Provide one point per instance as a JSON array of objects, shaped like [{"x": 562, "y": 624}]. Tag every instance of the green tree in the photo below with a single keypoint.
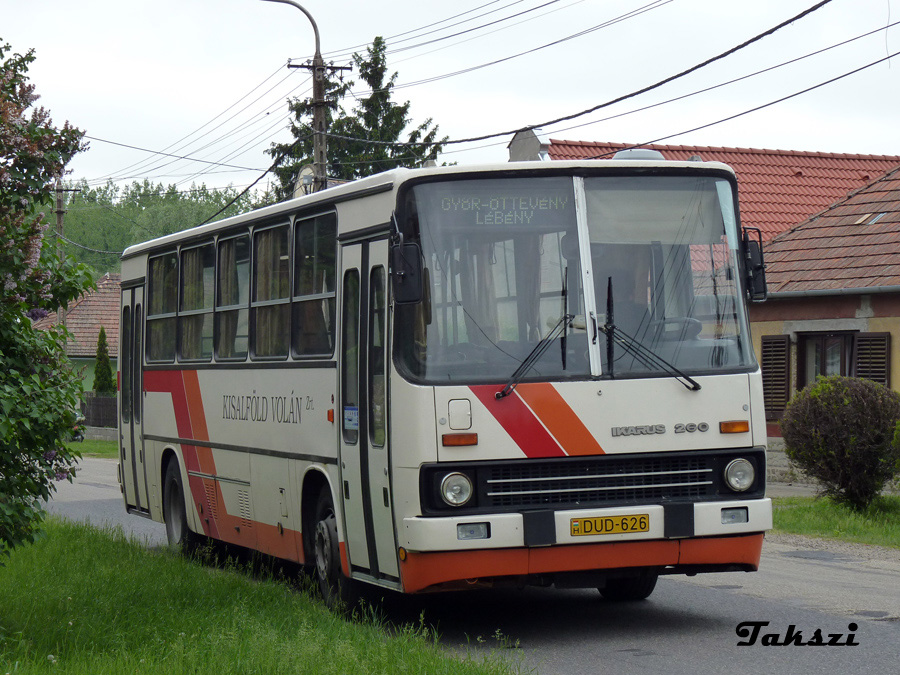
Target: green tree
[
  {"x": 112, "y": 217},
  {"x": 104, "y": 383},
  {"x": 39, "y": 389},
  {"x": 378, "y": 122}
]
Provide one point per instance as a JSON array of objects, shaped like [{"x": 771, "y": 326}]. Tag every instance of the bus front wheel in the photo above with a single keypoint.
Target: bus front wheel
[
  {"x": 333, "y": 585},
  {"x": 174, "y": 512},
  {"x": 630, "y": 588}
]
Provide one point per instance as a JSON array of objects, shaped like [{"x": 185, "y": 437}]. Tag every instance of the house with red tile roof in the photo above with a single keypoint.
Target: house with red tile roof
[
  {"x": 84, "y": 317},
  {"x": 834, "y": 295},
  {"x": 777, "y": 189}
]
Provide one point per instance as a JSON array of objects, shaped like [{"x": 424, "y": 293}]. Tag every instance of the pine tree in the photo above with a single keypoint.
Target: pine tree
[
  {"x": 104, "y": 383},
  {"x": 365, "y": 141}
]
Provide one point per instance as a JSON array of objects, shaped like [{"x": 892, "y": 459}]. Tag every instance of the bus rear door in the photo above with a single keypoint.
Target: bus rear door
[{"x": 131, "y": 437}]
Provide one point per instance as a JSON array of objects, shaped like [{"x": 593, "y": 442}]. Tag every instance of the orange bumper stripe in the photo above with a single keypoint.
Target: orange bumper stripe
[{"x": 422, "y": 570}]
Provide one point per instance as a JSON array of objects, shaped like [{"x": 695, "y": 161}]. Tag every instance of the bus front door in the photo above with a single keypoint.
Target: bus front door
[
  {"x": 131, "y": 437},
  {"x": 364, "y": 445}
]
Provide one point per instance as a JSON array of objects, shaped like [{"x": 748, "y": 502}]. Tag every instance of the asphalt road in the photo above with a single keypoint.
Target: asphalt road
[{"x": 687, "y": 626}]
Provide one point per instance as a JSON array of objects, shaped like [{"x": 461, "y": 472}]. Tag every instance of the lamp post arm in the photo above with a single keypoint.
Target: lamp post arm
[{"x": 308, "y": 16}]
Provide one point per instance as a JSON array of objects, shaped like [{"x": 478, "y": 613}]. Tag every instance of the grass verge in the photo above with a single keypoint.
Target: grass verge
[
  {"x": 86, "y": 601},
  {"x": 93, "y": 448},
  {"x": 821, "y": 517}
]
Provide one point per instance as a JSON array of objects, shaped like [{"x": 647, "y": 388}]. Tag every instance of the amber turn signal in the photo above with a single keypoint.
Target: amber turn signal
[{"x": 734, "y": 427}]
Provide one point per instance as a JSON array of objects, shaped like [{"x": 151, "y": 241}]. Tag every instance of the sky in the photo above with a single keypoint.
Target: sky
[{"x": 208, "y": 79}]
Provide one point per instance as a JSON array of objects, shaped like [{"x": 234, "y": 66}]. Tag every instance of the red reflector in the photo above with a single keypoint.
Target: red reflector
[
  {"x": 452, "y": 440},
  {"x": 734, "y": 427}
]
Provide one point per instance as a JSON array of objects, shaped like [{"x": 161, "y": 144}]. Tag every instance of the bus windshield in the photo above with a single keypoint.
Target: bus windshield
[{"x": 650, "y": 260}]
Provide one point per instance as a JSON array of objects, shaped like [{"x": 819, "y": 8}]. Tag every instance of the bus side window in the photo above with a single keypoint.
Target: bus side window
[
  {"x": 350, "y": 357},
  {"x": 162, "y": 305},
  {"x": 315, "y": 245},
  {"x": 195, "y": 318},
  {"x": 377, "y": 381},
  {"x": 233, "y": 298},
  {"x": 271, "y": 292}
]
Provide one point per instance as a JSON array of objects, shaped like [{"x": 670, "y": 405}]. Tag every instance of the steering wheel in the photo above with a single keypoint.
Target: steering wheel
[{"x": 675, "y": 328}]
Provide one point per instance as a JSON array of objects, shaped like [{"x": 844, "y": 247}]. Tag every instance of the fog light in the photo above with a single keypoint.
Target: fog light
[
  {"x": 735, "y": 516},
  {"x": 456, "y": 489},
  {"x": 739, "y": 475},
  {"x": 466, "y": 531}
]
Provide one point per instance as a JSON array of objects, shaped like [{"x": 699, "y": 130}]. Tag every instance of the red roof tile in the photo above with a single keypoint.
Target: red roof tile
[
  {"x": 855, "y": 244},
  {"x": 778, "y": 188},
  {"x": 85, "y": 316}
]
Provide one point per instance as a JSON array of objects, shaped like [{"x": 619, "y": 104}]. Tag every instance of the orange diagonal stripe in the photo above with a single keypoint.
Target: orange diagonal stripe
[
  {"x": 198, "y": 419},
  {"x": 559, "y": 418}
]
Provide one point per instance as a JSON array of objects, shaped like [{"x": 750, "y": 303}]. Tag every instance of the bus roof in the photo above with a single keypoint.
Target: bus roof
[{"x": 389, "y": 181}]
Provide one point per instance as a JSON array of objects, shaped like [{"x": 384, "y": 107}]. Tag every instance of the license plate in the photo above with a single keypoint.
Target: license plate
[{"x": 583, "y": 527}]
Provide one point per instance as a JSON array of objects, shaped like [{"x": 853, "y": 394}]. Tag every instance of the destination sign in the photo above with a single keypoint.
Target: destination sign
[
  {"x": 505, "y": 209},
  {"x": 519, "y": 202}
]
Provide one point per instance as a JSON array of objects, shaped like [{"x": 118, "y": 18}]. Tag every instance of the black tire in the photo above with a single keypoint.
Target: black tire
[
  {"x": 336, "y": 589},
  {"x": 630, "y": 588},
  {"x": 175, "y": 513}
]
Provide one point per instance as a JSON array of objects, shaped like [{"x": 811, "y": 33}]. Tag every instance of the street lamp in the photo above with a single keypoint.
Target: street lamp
[{"x": 320, "y": 147}]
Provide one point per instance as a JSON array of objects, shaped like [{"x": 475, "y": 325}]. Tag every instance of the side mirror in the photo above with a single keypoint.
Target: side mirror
[
  {"x": 406, "y": 273},
  {"x": 757, "y": 289}
]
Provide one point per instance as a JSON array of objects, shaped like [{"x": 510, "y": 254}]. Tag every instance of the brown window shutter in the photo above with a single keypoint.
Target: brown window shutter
[
  {"x": 872, "y": 357},
  {"x": 776, "y": 374}
]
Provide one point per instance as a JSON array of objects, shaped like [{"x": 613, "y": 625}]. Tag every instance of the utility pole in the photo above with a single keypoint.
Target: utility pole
[
  {"x": 320, "y": 121},
  {"x": 60, "y": 212}
]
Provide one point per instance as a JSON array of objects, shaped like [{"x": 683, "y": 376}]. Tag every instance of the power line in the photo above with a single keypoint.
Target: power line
[
  {"x": 263, "y": 175},
  {"x": 650, "y": 87},
  {"x": 727, "y": 82},
  {"x": 656, "y": 4},
  {"x": 348, "y": 51},
  {"x": 166, "y": 154},
  {"x": 86, "y": 248},
  {"x": 171, "y": 145},
  {"x": 760, "y": 107},
  {"x": 483, "y": 35}
]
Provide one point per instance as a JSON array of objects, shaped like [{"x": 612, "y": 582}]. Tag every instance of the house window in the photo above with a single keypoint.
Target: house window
[
  {"x": 850, "y": 354},
  {"x": 822, "y": 355}
]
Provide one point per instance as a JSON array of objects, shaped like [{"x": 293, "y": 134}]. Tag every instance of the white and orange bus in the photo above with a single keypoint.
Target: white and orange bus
[{"x": 440, "y": 378}]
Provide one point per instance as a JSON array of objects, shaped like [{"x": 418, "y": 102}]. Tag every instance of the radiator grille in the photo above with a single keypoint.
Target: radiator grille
[{"x": 581, "y": 483}]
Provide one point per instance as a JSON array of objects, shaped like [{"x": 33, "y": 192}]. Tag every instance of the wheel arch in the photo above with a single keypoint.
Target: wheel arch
[
  {"x": 170, "y": 454},
  {"x": 314, "y": 480}
]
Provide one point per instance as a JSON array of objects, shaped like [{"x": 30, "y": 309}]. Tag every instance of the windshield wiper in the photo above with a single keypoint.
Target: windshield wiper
[
  {"x": 559, "y": 329},
  {"x": 631, "y": 345}
]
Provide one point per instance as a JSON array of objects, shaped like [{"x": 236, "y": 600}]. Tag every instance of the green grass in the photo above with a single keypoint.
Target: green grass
[
  {"x": 89, "y": 448},
  {"x": 822, "y": 517},
  {"x": 85, "y": 601}
]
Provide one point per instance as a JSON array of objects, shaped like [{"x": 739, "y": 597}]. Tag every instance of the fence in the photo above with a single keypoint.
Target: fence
[{"x": 99, "y": 411}]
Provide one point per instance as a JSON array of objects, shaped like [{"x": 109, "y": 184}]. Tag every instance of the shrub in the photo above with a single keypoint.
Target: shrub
[
  {"x": 844, "y": 432},
  {"x": 104, "y": 382}
]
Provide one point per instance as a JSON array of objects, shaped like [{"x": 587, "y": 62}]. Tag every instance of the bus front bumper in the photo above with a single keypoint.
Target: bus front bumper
[{"x": 709, "y": 536}]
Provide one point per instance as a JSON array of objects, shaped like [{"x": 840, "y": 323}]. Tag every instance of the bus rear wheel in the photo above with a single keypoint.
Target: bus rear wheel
[
  {"x": 630, "y": 588},
  {"x": 336, "y": 589},
  {"x": 178, "y": 533}
]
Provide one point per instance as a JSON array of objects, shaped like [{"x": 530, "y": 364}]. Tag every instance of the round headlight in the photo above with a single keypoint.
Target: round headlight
[
  {"x": 456, "y": 489},
  {"x": 739, "y": 475}
]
